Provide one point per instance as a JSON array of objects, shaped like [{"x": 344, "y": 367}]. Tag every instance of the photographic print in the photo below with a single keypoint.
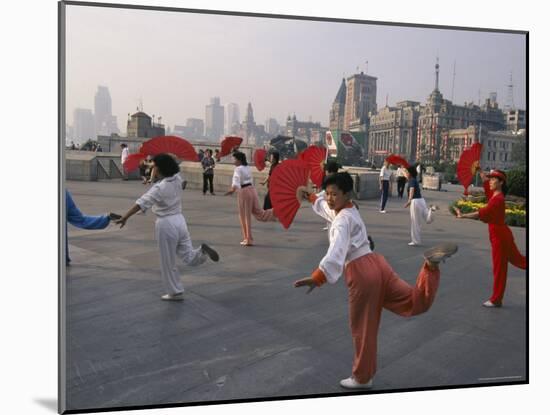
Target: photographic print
[{"x": 259, "y": 207}]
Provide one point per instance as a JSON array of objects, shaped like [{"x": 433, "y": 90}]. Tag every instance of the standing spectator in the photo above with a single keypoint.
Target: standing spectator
[
  {"x": 401, "y": 181},
  {"x": 73, "y": 147},
  {"x": 99, "y": 149},
  {"x": 123, "y": 156},
  {"x": 201, "y": 154},
  {"x": 385, "y": 183},
  {"x": 208, "y": 165}
]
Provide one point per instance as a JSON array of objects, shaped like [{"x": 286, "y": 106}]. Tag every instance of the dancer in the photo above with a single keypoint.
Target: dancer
[
  {"x": 170, "y": 227},
  {"x": 503, "y": 246},
  {"x": 247, "y": 198},
  {"x": 208, "y": 165},
  {"x": 420, "y": 212},
  {"x": 372, "y": 284},
  {"x": 76, "y": 218},
  {"x": 274, "y": 161},
  {"x": 385, "y": 185}
]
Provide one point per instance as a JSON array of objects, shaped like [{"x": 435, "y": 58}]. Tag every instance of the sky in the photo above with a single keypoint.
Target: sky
[{"x": 174, "y": 62}]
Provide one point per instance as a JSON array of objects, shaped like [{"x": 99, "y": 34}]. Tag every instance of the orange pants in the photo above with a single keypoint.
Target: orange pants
[
  {"x": 247, "y": 198},
  {"x": 373, "y": 285},
  {"x": 504, "y": 250}
]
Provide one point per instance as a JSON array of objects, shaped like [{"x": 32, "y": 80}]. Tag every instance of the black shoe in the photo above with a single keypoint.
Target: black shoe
[
  {"x": 210, "y": 252},
  {"x": 114, "y": 216}
]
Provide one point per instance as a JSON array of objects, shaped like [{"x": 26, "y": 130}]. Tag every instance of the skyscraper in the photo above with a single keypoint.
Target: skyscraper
[
  {"x": 83, "y": 125},
  {"x": 105, "y": 122},
  {"x": 360, "y": 100},
  {"x": 233, "y": 118},
  {"x": 214, "y": 124}
]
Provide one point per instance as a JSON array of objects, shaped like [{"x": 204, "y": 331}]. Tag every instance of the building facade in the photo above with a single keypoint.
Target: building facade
[
  {"x": 360, "y": 101},
  {"x": 214, "y": 120},
  {"x": 304, "y": 130},
  {"x": 141, "y": 125},
  {"x": 498, "y": 148},
  {"x": 515, "y": 120},
  {"x": 105, "y": 121},
  {"x": 233, "y": 118},
  {"x": 337, "y": 112},
  {"x": 83, "y": 125}
]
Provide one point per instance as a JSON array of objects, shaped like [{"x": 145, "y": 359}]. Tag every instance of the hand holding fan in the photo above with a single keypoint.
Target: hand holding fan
[
  {"x": 170, "y": 144},
  {"x": 283, "y": 187},
  {"x": 467, "y": 165}
]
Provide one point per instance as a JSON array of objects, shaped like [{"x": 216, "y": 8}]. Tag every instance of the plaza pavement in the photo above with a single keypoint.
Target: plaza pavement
[{"x": 244, "y": 332}]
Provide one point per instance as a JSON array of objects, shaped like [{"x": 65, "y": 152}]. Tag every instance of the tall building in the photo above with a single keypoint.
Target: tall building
[
  {"x": 195, "y": 127},
  {"x": 105, "y": 122},
  {"x": 336, "y": 118},
  {"x": 214, "y": 124},
  {"x": 233, "y": 118},
  {"x": 272, "y": 127},
  {"x": 440, "y": 115},
  {"x": 393, "y": 131},
  {"x": 83, "y": 125},
  {"x": 249, "y": 127},
  {"x": 360, "y": 101},
  {"x": 304, "y": 130},
  {"x": 141, "y": 125}
]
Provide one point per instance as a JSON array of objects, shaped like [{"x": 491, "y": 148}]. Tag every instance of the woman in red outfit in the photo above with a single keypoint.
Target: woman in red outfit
[{"x": 503, "y": 247}]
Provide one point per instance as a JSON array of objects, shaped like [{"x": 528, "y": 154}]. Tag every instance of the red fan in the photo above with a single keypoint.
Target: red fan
[
  {"x": 468, "y": 165},
  {"x": 132, "y": 162},
  {"x": 177, "y": 146},
  {"x": 259, "y": 158},
  {"x": 283, "y": 184},
  {"x": 314, "y": 157},
  {"x": 229, "y": 143},
  {"x": 397, "y": 160}
]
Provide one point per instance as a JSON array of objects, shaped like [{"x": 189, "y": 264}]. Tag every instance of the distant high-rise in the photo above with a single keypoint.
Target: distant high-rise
[
  {"x": 105, "y": 122},
  {"x": 195, "y": 127},
  {"x": 83, "y": 125},
  {"x": 249, "y": 126},
  {"x": 214, "y": 124},
  {"x": 272, "y": 127},
  {"x": 233, "y": 118},
  {"x": 360, "y": 100}
]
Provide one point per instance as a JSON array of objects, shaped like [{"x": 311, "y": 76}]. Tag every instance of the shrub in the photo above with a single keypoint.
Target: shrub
[{"x": 517, "y": 182}]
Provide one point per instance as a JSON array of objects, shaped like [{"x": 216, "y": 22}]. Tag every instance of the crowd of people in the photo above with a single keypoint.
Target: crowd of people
[{"x": 372, "y": 283}]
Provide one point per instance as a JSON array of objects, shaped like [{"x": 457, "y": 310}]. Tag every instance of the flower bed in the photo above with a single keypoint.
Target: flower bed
[{"x": 515, "y": 214}]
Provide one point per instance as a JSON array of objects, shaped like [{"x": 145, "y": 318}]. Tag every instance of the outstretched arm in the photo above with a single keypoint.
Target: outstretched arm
[
  {"x": 133, "y": 210},
  {"x": 471, "y": 215}
]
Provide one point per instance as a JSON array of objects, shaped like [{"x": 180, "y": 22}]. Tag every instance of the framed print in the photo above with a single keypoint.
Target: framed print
[{"x": 259, "y": 207}]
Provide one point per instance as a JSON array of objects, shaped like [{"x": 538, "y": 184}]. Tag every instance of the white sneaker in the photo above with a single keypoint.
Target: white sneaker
[
  {"x": 434, "y": 207},
  {"x": 351, "y": 383},
  {"x": 172, "y": 297},
  {"x": 490, "y": 304},
  {"x": 382, "y": 211},
  {"x": 413, "y": 244}
]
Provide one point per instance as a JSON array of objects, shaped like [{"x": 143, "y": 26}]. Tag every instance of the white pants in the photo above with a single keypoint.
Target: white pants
[
  {"x": 173, "y": 239},
  {"x": 420, "y": 212}
]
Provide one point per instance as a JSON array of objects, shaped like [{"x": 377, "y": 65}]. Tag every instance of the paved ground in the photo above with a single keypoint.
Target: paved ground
[{"x": 243, "y": 331}]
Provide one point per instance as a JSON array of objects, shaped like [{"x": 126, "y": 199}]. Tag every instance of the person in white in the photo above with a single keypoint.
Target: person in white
[
  {"x": 372, "y": 283},
  {"x": 170, "y": 227},
  {"x": 123, "y": 157},
  {"x": 247, "y": 198},
  {"x": 385, "y": 185},
  {"x": 420, "y": 212},
  {"x": 401, "y": 181}
]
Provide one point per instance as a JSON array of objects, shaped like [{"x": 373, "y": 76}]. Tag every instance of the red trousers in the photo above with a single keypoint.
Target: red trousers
[
  {"x": 504, "y": 250},
  {"x": 373, "y": 285}
]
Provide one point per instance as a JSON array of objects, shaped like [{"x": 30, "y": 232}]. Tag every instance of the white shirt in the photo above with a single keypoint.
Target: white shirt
[
  {"x": 164, "y": 197},
  {"x": 347, "y": 236},
  {"x": 124, "y": 154},
  {"x": 401, "y": 172},
  {"x": 385, "y": 173},
  {"x": 241, "y": 175}
]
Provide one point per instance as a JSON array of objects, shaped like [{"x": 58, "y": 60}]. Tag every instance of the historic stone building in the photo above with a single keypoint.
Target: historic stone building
[
  {"x": 360, "y": 101},
  {"x": 393, "y": 131},
  {"x": 304, "y": 130},
  {"x": 141, "y": 125},
  {"x": 515, "y": 120},
  {"x": 498, "y": 147},
  {"x": 336, "y": 118}
]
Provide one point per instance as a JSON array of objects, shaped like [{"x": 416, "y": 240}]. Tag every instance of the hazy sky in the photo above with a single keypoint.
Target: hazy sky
[{"x": 175, "y": 62}]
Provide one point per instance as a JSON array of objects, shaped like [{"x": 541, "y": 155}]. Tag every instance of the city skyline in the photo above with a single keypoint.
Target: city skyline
[{"x": 283, "y": 71}]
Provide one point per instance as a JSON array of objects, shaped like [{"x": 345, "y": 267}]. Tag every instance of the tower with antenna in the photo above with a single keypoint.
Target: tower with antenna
[
  {"x": 437, "y": 73},
  {"x": 510, "y": 100}
]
